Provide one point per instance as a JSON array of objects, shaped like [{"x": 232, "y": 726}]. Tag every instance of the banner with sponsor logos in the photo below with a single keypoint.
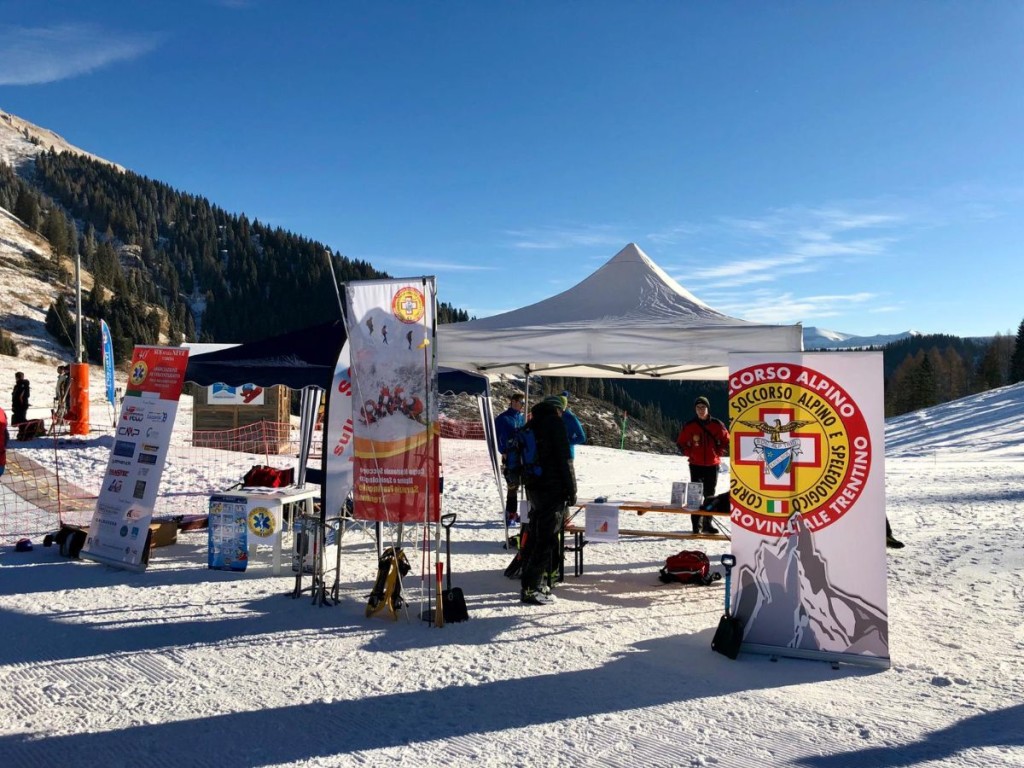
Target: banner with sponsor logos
[
  {"x": 338, "y": 440},
  {"x": 394, "y": 382},
  {"x": 807, "y": 490},
  {"x": 120, "y": 524}
]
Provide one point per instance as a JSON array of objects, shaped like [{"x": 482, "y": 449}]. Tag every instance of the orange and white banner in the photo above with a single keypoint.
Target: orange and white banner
[
  {"x": 394, "y": 400},
  {"x": 807, "y": 494},
  {"x": 124, "y": 509}
]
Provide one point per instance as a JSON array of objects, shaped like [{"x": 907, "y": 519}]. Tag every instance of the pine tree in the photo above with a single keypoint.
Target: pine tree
[
  {"x": 59, "y": 322},
  {"x": 26, "y": 208},
  {"x": 1017, "y": 359},
  {"x": 989, "y": 369}
]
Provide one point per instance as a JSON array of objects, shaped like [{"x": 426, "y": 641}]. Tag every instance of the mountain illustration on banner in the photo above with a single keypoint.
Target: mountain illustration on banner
[
  {"x": 820, "y": 615},
  {"x": 603, "y": 527}
]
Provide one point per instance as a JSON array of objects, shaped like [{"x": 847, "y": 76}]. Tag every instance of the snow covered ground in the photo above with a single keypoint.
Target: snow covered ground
[{"x": 184, "y": 666}]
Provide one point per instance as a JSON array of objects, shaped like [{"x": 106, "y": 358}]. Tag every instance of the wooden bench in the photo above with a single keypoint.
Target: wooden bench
[{"x": 578, "y": 542}]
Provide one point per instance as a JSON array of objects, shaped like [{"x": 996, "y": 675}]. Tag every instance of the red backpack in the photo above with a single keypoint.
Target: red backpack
[
  {"x": 262, "y": 476},
  {"x": 690, "y": 566}
]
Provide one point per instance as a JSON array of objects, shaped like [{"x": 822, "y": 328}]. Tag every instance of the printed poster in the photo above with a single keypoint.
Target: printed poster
[
  {"x": 238, "y": 524},
  {"x": 807, "y": 494},
  {"x": 227, "y": 534},
  {"x": 601, "y": 522},
  {"x": 124, "y": 509},
  {"x": 225, "y": 394},
  {"x": 394, "y": 383}
]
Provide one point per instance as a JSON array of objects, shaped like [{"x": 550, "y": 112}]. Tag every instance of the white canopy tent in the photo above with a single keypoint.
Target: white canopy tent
[{"x": 628, "y": 319}]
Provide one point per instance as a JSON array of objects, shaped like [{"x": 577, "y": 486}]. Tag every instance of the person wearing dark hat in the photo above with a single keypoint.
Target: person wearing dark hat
[
  {"x": 704, "y": 441},
  {"x": 549, "y": 493}
]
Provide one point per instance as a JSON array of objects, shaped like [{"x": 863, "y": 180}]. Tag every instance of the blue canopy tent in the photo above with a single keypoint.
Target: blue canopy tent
[{"x": 305, "y": 359}]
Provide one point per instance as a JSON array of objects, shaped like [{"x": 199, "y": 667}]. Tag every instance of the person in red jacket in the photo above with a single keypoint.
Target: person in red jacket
[{"x": 704, "y": 440}]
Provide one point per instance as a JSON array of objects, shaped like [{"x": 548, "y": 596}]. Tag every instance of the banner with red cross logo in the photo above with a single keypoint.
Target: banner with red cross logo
[{"x": 807, "y": 493}]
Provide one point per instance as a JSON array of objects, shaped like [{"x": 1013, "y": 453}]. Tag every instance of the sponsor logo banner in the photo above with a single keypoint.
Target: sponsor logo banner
[{"x": 120, "y": 524}]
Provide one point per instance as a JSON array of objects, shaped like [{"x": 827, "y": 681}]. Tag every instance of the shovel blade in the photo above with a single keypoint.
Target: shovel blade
[
  {"x": 453, "y": 603},
  {"x": 728, "y": 637}
]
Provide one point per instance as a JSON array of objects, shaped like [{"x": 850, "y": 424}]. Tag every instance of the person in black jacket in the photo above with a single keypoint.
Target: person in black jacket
[
  {"x": 549, "y": 494},
  {"x": 19, "y": 399}
]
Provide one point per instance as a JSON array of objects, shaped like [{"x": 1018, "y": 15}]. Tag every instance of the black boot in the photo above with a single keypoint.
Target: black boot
[{"x": 891, "y": 541}]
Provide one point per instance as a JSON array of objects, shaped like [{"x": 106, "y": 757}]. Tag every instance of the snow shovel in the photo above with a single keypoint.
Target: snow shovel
[
  {"x": 452, "y": 600},
  {"x": 729, "y": 634}
]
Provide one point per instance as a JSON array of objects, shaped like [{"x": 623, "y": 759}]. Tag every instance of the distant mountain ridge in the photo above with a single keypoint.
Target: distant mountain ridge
[{"x": 823, "y": 338}]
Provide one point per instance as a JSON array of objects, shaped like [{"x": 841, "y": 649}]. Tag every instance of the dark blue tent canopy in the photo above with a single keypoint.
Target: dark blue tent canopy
[{"x": 297, "y": 359}]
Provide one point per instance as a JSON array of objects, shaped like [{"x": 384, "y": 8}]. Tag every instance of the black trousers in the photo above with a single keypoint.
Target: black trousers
[
  {"x": 512, "y": 501},
  {"x": 542, "y": 542}
]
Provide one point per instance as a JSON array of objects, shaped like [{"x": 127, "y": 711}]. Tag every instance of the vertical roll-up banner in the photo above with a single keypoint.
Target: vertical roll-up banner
[
  {"x": 120, "y": 524},
  {"x": 338, "y": 440},
  {"x": 807, "y": 491},
  {"x": 108, "y": 361},
  {"x": 394, "y": 390}
]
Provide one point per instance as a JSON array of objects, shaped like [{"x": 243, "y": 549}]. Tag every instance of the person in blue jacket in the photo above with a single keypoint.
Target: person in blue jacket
[
  {"x": 573, "y": 428},
  {"x": 505, "y": 425}
]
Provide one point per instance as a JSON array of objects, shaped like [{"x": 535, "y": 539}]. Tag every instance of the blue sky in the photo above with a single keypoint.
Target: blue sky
[{"x": 854, "y": 166}]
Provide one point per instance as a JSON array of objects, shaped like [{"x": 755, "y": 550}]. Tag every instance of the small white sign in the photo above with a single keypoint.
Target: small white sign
[
  {"x": 687, "y": 495},
  {"x": 602, "y": 522}
]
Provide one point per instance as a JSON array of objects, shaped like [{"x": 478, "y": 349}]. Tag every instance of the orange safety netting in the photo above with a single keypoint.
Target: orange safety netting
[
  {"x": 461, "y": 430},
  {"x": 35, "y": 499}
]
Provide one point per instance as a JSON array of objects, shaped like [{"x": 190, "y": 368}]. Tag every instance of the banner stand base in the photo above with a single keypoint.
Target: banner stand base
[
  {"x": 140, "y": 568},
  {"x": 878, "y": 662}
]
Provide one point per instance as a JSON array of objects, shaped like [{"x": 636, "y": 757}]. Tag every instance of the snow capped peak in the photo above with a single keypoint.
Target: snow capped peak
[
  {"x": 823, "y": 338},
  {"x": 21, "y": 141}
]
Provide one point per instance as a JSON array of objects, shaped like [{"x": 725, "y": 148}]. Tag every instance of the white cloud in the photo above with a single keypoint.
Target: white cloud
[
  {"x": 783, "y": 243},
  {"x": 37, "y": 55},
  {"x": 764, "y": 306},
  {"x": 438, "y": 266},
  {"x": 550, "y": 239}
]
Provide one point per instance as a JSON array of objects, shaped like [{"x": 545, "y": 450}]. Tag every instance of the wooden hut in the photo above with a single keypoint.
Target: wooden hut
[{"x": 260, "y": 426}]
